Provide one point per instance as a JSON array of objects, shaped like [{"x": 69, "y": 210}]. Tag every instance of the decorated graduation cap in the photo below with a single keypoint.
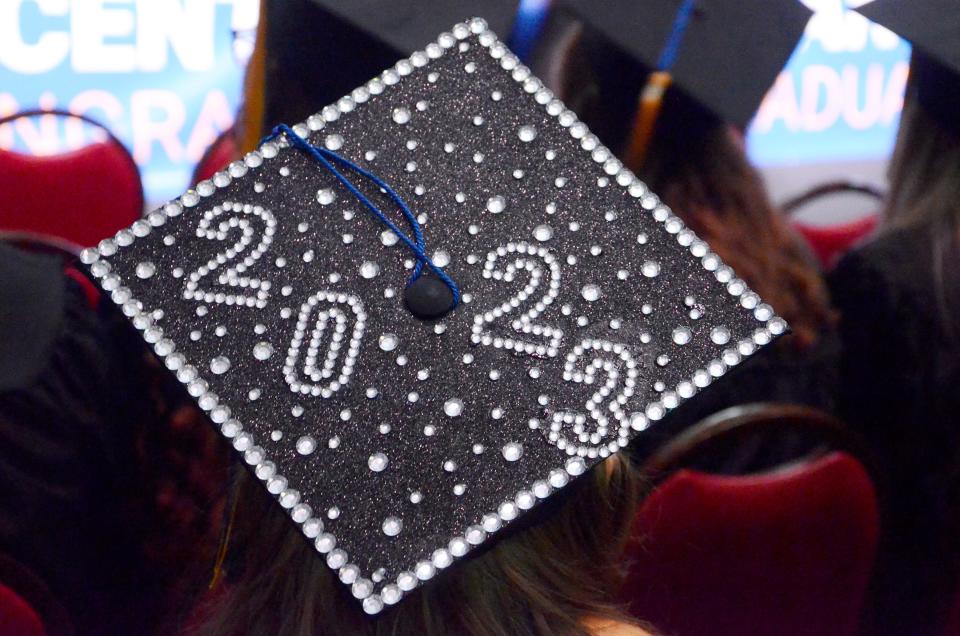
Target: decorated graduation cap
[
  {"x": 724, "y": 55},
  {"x": 933, "y": 27},
  {"x": 429, "y": 307}
]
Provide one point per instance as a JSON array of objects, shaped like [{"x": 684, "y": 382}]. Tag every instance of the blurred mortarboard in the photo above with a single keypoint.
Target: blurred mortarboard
[
  {"x": 31, "y": 312},
  {"x": 727, "y": 54},
  {"x": 318, "y": 50},
  {"x": 933, "y": 27},
  {"x": 588, "y": 311}
]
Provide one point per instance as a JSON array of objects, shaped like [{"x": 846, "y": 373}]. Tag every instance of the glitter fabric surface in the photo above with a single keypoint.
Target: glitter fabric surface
[{"x": 398, "y": 445}]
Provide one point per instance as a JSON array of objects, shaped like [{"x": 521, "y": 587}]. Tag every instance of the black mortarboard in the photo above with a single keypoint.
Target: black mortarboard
[
  {"x": 588, "y": 311},
  {"x": 31, "y": 312},
  {"x": 318, "y": 50},
  {"x": 933, "y": 27},
  {"x": 727, "y": 56}
]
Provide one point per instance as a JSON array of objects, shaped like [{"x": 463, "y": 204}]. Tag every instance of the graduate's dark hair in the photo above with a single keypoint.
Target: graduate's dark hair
[
  {"x": 924, "y": 177},
  {"x": 552, "y": 573}
]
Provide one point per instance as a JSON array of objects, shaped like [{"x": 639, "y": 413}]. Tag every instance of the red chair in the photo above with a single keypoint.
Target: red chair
[
  {"x": 81, "y": 196},
  {"x": 830, "y": 242},
  {"x": 17, "y": 617},
  {"x": 952, "y": 627},
  {"x": 786, "y": 552},
  {"x": 220, "y": 153},
  {"x": 27, "y": 606}
]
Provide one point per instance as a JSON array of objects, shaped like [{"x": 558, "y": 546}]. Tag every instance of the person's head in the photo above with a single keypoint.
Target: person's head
[
  {"x": 698, "y": 165},
  {"x": 924, "y": 177},
  {"x": 549, "y": 573},
  {"x": 924, "y": 171}
]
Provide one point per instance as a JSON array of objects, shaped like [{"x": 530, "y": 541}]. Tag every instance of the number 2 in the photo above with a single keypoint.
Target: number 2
[
  {"x": 244, "y": 290},
  {"x": 544, "y": 271}
]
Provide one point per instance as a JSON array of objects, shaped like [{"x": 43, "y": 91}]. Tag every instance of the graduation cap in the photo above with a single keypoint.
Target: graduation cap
[
  {"x": 724, "y": 55},
  {"x": 933, "y": 27},
  {"x": 318, "y": 50},
  {"x": 31, "y": 312},
  {"x": 575, "y": 310}
]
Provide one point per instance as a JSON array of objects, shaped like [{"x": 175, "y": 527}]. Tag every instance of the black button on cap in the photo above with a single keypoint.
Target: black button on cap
[{"x": 428, "y": 297}]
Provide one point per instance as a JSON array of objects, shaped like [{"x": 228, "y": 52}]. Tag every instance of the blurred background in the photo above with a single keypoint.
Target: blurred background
[{"x": 165, "y": 76}]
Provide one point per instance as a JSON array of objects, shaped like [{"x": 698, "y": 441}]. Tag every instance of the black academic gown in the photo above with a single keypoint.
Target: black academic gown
[
  {"x": 67, "y": 435},
  {"x": 900, "y": 379}
]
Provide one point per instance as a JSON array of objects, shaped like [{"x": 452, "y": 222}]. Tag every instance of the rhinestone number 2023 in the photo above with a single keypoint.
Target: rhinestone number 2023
[{"x": 243, "y": 290}]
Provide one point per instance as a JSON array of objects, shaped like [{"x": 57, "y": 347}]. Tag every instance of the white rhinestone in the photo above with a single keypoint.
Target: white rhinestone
[
  {"x": 326, "y": 196},
  {"x": 306, "y": 445},
  {"x": 390, "y": 593},
  {"x": 512, "y": 451},
  {"x": 424, "y": 570},
  {"x": 543, "y": 233},
  {"x": 262, "y": 350},
  {"x": 369, "y": 269},
  {"x": 576, "y": 466},
  {"x": 590, "y": 293},
  {"x": 720, "y": 335},
  {"x": 401, "y": 115},
  {"x": 388, "y": 342},
  {"x": 362, "y": 588},
  {"x": 220, "y": 365},
  {"x": 453, "y": 407},
  {"x": 496, "y": 204},
  {"x": 377, "y": 462},
  {"x": 475, "y": 535},
  {"x": 372, "y": 605},
  {"x": 146, "y": 269},
  {"x": 406, "y": 581},
  {"x": 325, "y": 542},
  {"x": 527, "y": 133},
  {"x": 392, "y": 526}
]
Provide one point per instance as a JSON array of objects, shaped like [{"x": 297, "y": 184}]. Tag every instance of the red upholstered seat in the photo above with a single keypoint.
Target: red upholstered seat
[
  {"x": 220, "y": 153},
  {"x": 952, "y": 627},
  {"x": 786, "y": 553},
  {"x": 17, "y": 617},
  {"x": 27, "y": 606},
  {"x": 830, "y": 243},
  {"x": 82, "y": 196}
]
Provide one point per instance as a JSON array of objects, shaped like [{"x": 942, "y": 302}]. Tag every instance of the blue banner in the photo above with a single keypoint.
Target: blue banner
[
  {"x": 163, "y": 75},
  {"x": 839, "y": 97}
]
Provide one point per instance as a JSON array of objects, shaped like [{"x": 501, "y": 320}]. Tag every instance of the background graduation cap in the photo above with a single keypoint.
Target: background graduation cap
[
  {"x": 31, "y": 303},
  {"x": 933, "y": 27},
  {"x": 318, "y": 50},
  {"x": 274, "y": 292},
  {"x": 723, "y": 55}
]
